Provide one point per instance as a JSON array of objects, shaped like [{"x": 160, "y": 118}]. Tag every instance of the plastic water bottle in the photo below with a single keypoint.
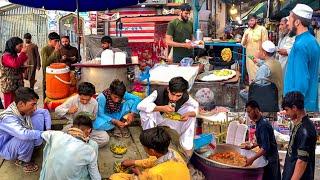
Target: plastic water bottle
[{"x": 199, "y": 35}]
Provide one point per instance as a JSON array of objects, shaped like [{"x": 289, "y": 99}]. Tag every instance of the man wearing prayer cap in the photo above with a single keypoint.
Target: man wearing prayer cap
[
  {"x": 269, "y": 69},
  {"x": 302, "y": 69},
  {"x": 301, "y": 75}
]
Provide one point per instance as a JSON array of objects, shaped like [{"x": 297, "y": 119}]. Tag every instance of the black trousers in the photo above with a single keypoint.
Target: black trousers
[{"x": 272, "y": 171}]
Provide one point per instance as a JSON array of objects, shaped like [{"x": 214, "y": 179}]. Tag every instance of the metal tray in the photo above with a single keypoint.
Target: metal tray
[{"x": 258, "y": 163}]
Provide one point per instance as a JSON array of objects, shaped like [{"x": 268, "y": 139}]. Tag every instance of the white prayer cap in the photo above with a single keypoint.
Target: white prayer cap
[
  {"x": 303, "y": 11},
  {"x": 269, "y": 46}
]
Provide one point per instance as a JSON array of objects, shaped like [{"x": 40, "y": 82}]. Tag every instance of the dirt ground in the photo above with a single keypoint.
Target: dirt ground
[{"x": 9, "y": 171}]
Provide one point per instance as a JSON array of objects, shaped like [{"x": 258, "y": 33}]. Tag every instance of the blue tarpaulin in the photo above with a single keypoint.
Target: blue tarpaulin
[{"x": 71, "y": 5}]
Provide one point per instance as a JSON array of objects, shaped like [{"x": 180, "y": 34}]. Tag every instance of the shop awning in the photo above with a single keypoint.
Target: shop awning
[
  {"x": 259, "y": 10},
  {"x": 288, "y": 5},
  {"x": 71, "y": 5}
]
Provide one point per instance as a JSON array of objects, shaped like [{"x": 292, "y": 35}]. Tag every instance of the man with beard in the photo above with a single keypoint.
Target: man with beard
[
  {"x": 179, "y": 30},
  {"x": 285, "y": 44},
  {"x": 33, "y": 60},
  {"x": 173, "y": 99},
  {"x": 69, "y": 53},
  {"x": 300, "y": 158},
  {"x": 303, "y": 62},
  {"x": 106, "y": 43},
  {"x": 252, "y": 40}
]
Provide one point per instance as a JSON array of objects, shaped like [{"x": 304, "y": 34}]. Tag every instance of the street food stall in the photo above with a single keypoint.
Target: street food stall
[
  {"x": 218, "y": 125},
  {"x": 102, "y": 75}
]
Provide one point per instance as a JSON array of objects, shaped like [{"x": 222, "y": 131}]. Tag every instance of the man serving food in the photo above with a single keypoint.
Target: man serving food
[{"x": 179, "y": 30}]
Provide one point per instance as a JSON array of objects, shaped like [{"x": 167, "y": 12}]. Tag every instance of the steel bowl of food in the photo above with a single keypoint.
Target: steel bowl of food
[
  {"x": 230, "y": 156},
  {"x": 118, "y": 148}
]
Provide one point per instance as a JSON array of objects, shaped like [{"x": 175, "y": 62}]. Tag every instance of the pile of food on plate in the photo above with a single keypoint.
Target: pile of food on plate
[
  {"x": 118, "y": 168},
  {"x": 118, "y": 148},
  {"x": 232, "y": 158},
  {"x": 173, "y": 116},
  {"x": 222, "y": 72}
]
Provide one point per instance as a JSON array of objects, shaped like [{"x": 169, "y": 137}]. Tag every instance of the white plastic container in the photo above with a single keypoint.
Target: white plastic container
[
  {"x": 120, "y": 58},
  {"x": 199, "y": 35},
  {"x": 107, "y": 57}
]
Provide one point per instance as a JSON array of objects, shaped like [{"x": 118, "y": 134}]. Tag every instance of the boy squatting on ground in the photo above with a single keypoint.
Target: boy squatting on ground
[
  {"x": 83, "y": 102},
  {"x": 72, "y": 155},
  {"x": 20, "y": 128},
  {"x": 163, "y": 163}
]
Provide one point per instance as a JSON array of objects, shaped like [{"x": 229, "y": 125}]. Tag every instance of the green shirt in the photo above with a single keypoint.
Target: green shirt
[
  {"x": 48, "y": 56},
  {"x": 180, "y": 31}
]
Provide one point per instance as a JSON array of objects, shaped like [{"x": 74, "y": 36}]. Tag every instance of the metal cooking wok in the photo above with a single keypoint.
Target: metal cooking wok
[{"x": 258, "y": 163}]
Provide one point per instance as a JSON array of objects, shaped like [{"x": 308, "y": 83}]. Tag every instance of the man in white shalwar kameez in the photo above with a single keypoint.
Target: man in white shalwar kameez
[{"x": 175, "y": 98}]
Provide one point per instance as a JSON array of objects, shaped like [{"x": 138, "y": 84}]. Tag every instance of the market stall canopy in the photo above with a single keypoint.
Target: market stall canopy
[
  {"x": 259, "y": 10},
  {"x": 71, "y": 5},
  {"x": 283, "y": 8}
]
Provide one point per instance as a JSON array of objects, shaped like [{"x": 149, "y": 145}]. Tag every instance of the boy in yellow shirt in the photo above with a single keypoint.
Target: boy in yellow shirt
[{"x": 163, "y": 163}]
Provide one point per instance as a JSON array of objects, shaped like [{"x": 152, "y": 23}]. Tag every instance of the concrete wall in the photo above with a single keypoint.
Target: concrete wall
[{"x": 221, "y": 15}]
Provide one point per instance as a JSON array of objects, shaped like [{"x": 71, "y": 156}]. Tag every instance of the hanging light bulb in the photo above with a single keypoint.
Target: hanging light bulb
[{"x": 233, "y": 10}]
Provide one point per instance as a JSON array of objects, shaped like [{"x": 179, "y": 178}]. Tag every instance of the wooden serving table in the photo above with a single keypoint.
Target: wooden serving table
[{"x": 102, "y": 75}]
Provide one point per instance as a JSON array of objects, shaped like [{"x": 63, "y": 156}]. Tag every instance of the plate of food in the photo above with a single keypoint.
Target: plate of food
[
  {"x": 118, "y": 168},
  {"x": 217, "y": 75},
  {"x": 118, "y": 148},
  {"x": 173, "y": 116}
]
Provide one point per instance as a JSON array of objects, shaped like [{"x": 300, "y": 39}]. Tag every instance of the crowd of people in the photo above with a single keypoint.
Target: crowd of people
[
  {"x": 23, "y": 127},
  {"x": 73, "y": 152},
  {"x": 293, "y": 64}
]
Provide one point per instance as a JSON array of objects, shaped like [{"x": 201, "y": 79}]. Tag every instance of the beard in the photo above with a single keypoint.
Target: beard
[
  {"x": 283, "y": 34},
  {"x": 293, "y": 31},
  {"x": 252, "y": 26},
  {"x": 184, "y": 19}
]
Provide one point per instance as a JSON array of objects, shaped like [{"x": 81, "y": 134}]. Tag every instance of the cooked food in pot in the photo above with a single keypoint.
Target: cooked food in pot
[{"x": 230, "y": 158}]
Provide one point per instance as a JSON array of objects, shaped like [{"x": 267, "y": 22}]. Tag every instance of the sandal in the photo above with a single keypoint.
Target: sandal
[
  {"x": 117, "y": 132},
  {"x": 30, "y": 167},
  {"x": 27, "y": 167},
  {"x": 125, "y": 132}
]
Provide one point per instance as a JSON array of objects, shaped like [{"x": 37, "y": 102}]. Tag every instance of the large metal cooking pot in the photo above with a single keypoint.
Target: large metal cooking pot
[{"x": 258, "y": 163}]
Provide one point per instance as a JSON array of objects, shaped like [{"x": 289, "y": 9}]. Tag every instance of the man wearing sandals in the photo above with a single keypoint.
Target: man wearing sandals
[
  {"x": 18, "y": 136},
  {"x": 116, "y": 108},
  {"x": 175, "y": 98}
]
